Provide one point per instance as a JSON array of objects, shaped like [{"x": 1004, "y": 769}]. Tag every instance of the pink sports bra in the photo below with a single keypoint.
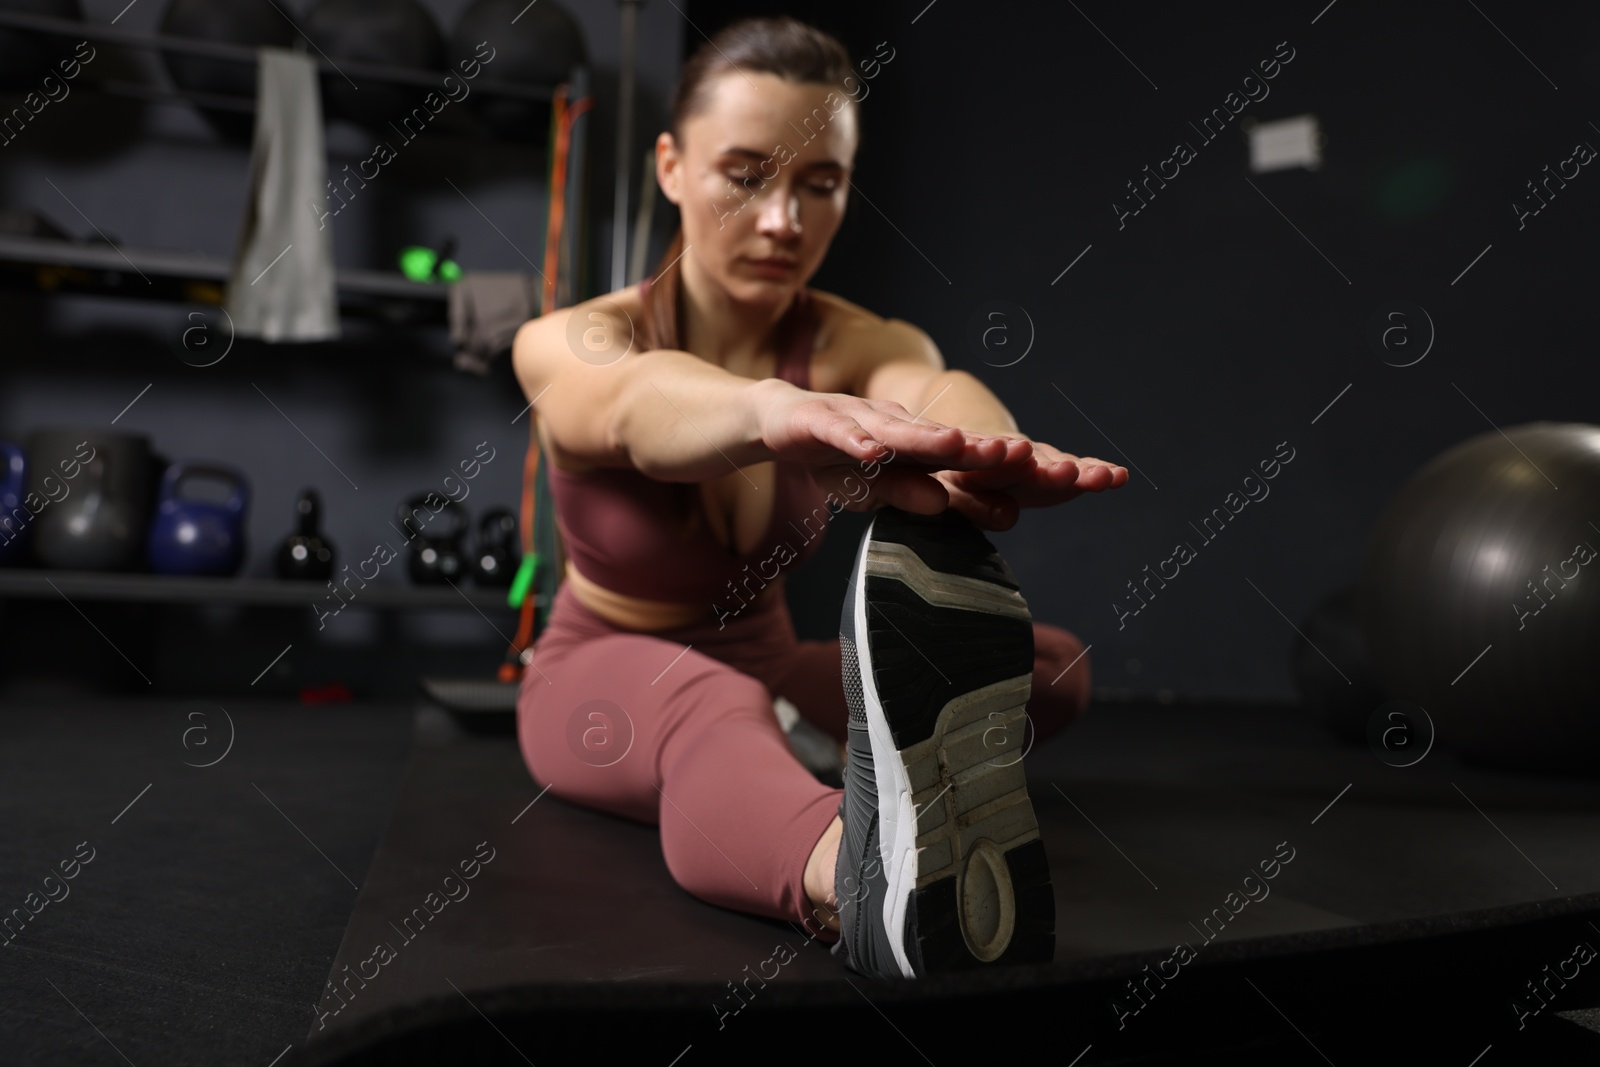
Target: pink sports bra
[{"x": 626, "y": 531}]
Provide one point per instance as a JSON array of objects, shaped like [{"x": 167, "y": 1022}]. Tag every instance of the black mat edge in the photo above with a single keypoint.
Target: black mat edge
[{"x": 1457, "y": 931}]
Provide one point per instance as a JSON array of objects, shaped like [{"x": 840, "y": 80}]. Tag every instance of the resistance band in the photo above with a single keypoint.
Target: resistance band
[{"x": 523, "y": 594}]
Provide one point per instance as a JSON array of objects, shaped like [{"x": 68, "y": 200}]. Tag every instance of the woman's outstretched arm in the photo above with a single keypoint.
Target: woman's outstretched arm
[
  {"x": 675, "y": 417},
  {"x": 895, "y": 361}
]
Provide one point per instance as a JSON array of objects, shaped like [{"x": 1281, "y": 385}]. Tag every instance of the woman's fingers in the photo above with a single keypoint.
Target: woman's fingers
[
  {"x": 909, "y": 490},
  {"x": 849, "y": 436},
  {"x": 1052, "y": 476},
  {"x": 824, "y": 428},
  {"x": 943, "y": 447},
  {"x": 1096, "y": 476},
  {"x": 856, "y": 489},
  {"x": 986, "y": 509}
]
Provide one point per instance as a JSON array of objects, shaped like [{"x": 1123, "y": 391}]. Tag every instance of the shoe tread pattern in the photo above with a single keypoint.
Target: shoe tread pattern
[
  {"x": 933, "y": 926},
  {"x": 924, "y": 656},
  {"x": 947, "y": 542}
]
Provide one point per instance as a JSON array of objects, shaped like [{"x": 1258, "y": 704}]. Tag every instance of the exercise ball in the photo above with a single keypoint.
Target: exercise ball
[
  {"x": 540, "y": 49},
  {"x": 26, "y": 57},
  {"x": 396, "y": 33},
  {"x": 252, "y": 23},
  {"x": 1480, "y": 596}
]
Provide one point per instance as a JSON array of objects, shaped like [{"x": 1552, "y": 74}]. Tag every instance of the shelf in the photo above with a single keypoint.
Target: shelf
[
  {"x": 68, "y": 28},
  {"x": 185, "y": 267},
  {"x": 103, "y": 270},
  {"x": 36, "y": 584}
]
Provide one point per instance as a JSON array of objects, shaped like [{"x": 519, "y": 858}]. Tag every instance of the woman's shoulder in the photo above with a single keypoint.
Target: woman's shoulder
[
  {"x": 599, "y": 331},
  {"x": 836, "y": 311},
  {"x": 846, "y": 323},
  {"x": 618, "y": 315},
  {"x": 852, "y": 339}
]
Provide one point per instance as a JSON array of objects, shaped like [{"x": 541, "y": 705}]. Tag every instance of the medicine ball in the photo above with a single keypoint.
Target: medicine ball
[
  {"x": 25, "y": 58},
  {"x": 1480, "y": 596},
  {"x": 253, "y": 23},
  {"x": 540, "y": 49},
  {"x": 396, "y": 33}
]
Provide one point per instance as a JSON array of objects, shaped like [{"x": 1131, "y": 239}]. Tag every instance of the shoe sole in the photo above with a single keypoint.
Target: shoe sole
[{"x": 939, "y": 625}]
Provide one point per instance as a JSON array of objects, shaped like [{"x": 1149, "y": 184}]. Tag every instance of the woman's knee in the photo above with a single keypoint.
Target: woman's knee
[{"x": 1062, "y": 680}]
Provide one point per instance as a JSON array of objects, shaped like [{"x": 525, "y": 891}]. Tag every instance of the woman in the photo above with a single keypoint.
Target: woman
[{"x": 700, "y": 431}]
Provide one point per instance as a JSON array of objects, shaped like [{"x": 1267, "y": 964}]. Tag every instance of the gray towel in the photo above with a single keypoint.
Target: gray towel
[
  {"x": 486, "y": 308},
  {"x": 282, "y": 286}
]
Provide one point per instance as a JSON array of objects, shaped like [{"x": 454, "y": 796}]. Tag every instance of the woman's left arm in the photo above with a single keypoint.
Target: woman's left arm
[{"x": 906, "y": 367}]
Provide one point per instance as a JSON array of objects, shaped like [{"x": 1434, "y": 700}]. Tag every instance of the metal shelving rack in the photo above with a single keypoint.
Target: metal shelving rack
[
  {"x": 105, "y": 270},
  {"x": 35, "y": 584}
]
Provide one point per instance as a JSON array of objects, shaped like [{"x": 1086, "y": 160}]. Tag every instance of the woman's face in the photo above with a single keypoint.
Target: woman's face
[{"x": 761, "y": 180}]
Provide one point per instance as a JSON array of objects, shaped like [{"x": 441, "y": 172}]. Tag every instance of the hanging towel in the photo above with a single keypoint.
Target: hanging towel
[
  {"x": 486, "y": 308},
  {"x": 282, "y": 285}
]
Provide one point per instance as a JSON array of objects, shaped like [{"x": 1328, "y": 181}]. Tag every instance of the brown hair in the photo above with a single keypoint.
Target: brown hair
[{"x": 782, "y": 46}]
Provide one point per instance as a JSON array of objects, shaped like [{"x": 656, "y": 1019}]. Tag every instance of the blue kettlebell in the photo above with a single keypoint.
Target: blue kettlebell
[
  {"x": 197, "y": 536},
  {"x": 14, "y": 517}
]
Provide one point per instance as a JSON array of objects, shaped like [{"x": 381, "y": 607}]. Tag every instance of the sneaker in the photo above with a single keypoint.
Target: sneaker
[{"x": 940, "y": 866}]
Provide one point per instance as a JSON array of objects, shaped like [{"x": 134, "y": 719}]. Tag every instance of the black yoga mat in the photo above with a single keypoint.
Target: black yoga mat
[
  {"x": 227, "y": 841},
  {"x": 1408, "y": 907}
]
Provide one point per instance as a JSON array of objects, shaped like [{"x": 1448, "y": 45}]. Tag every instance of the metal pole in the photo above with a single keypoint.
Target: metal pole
[{"x": 624, "y": 160}]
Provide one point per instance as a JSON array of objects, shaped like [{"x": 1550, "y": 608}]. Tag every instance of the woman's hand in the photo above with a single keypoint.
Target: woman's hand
[
  {"x": 992, "y": 499},
  {"x": 872, "y": 453}
]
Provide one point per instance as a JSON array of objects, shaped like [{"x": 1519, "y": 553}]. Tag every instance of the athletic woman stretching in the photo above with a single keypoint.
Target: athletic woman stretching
[{"x": 699, "y": 434}]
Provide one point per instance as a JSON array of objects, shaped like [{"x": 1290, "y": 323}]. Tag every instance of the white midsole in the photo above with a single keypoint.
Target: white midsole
[{"x": 897, "y": 819}]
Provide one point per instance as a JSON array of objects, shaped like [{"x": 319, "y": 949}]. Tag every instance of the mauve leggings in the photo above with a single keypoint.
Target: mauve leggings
[{"x": 636, "y": 725}]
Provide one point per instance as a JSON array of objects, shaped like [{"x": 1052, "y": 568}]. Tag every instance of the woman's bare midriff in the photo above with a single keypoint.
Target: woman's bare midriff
[{"x": 648, "y": 616}]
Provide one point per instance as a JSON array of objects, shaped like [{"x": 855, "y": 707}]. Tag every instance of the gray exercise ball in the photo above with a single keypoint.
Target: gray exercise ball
[{"x": 1480, "y": 596}]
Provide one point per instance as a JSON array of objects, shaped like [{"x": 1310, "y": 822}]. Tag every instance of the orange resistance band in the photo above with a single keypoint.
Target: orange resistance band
[
  {"x": 565, "y": 116},
  {"x": 562, "y": 119}
]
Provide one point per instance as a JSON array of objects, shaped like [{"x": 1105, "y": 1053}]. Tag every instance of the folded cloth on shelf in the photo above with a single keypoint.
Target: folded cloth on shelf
[
  {"x": 282, "y": 284},
  {"x": 486, "y": 308}
]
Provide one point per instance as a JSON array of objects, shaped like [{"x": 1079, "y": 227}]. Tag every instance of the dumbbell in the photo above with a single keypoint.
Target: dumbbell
[
  {"x": 495, "y": 562},
  {"x": 436, "y": 535},
  {"x": 306, "y": 555}
]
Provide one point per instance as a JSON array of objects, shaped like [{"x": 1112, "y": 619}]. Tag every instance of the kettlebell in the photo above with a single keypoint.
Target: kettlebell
[
  {"x": 195, "y": 536},
  {"x": 495, "y": 563},
  {"x": 15, "y": 519},
  {"x": 435, "y": 535},
  {"x": 306, "y": 556},
  {"x": 95, "y": 490}
]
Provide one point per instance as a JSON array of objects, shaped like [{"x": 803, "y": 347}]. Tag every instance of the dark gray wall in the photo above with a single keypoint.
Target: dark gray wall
[{"x": 1222, "y": 319}]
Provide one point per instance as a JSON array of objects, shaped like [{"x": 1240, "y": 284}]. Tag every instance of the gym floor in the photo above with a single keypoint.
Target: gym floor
[
  {"x": 218, "y": 900},
  {"x": 204, "y": 926}
]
